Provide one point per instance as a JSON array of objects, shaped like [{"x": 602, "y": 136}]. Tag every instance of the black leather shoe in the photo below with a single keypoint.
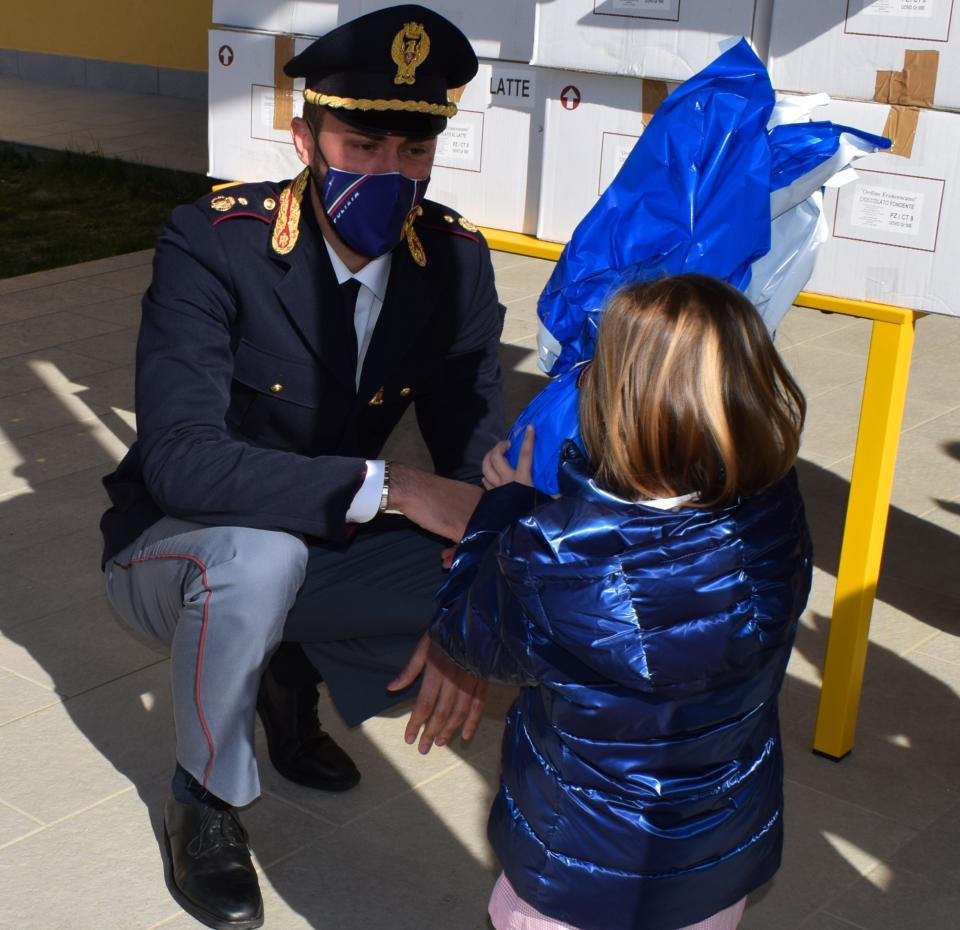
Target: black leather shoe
[
  {"x": 299, "y": 750},
  {"x": 209, "y": 871}
]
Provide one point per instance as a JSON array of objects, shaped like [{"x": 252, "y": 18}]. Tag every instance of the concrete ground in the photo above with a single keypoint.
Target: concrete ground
[{"x": 85, "y": 718}]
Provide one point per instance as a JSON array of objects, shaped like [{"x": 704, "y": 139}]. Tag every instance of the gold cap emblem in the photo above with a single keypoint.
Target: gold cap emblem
[
  {"x": 411, "y": 45},
  {"x": 222, "y": 203}
]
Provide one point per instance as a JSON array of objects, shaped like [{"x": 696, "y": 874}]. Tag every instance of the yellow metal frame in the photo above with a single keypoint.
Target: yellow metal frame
[{"x": 871, "y": 483}]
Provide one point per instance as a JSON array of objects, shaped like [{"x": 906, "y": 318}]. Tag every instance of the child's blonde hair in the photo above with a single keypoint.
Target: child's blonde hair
[{"x": 686, "y": 393}]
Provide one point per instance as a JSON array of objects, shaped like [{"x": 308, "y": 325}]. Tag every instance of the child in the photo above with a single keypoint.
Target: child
[{"x": 649, "y": 613}]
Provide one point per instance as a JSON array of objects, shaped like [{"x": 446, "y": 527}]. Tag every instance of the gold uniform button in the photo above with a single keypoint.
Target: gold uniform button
[
  {"x": 276, "y": 388},
  {"x": 406, "y": 392},
  {"x": 269, "y": 203}
]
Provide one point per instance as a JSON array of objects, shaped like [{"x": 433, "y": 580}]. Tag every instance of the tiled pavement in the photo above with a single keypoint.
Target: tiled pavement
[{"x": 85, "y": 734}]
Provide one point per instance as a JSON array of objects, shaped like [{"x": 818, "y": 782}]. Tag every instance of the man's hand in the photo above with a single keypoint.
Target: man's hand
[
  {"x": 497, "y": 471},
  {"x": 449, "y": 697},
  {"x": 438, "y": 505}
]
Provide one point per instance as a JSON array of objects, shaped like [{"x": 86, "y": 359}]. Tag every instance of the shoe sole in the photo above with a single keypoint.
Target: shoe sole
[
  {"x": 332, "y": 786},
  {"x": 193, "y": 909}
]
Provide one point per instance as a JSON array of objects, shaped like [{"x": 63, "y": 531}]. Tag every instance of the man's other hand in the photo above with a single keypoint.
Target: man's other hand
[{"x": 449, "y": 697}]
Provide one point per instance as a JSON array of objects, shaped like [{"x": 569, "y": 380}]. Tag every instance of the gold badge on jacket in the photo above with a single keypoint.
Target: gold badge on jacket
[
  {"x": 222, "y": 203},
  {"x": 411, "y": 45}
]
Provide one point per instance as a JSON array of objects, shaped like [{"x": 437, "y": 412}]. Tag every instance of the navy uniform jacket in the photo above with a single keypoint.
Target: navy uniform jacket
[{"x": 247, "y": 412}]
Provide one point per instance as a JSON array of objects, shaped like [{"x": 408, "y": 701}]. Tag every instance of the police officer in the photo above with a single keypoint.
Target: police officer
[{"x": 287, "y": 328}]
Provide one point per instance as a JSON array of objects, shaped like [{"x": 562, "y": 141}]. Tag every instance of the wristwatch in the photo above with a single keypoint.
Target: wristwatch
[{"x": 385, "y": 492}]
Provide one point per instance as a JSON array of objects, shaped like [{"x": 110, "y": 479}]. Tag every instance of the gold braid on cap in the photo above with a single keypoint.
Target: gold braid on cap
[
  {"x": 364, "y": 103},
  {"x": 286, "y": 227}
]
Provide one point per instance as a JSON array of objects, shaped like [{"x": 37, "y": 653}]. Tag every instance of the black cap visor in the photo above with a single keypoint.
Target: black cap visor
[{"x": 391, "y": 122}]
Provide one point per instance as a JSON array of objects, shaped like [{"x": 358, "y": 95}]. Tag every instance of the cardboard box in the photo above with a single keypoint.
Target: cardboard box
[
  {"x": 592, "y": 123},
  {"x": 895, "y": 231},
  {"x": 496, "y": 28},
  {"x": 251, "y": 105},
  {"x": 666, "y": 39},
  {"x": 488, "y": 160},
  {"x": 301, "y": 17},
  {"x": 892, "y": 51}
]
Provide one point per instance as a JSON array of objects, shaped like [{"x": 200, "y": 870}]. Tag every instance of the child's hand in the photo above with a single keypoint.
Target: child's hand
[{"x": 497, "y": 471}]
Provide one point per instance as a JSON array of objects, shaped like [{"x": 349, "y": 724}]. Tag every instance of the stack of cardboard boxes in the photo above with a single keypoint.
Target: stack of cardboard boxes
[{"x": 566, "y": 87}]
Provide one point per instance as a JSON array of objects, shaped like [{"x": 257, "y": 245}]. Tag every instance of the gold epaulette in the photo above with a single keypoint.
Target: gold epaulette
[{"x": 286, "y": 227}]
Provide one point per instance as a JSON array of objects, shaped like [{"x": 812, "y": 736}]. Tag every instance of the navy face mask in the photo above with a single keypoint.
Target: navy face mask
[{"x": 368, "y": 210}]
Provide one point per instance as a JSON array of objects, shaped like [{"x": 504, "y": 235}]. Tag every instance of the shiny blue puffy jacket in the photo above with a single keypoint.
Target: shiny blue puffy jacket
[{"x": 642, "y": 768}]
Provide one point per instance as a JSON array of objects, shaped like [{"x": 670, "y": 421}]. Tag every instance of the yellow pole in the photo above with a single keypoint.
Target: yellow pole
[{"x": 881, "y": 415}]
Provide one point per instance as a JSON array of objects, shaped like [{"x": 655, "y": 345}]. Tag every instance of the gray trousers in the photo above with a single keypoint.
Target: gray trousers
[{"x": 221, "y": 598}]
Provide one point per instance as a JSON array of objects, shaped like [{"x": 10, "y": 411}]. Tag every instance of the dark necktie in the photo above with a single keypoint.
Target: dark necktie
[{"x": 348, "y": 294}]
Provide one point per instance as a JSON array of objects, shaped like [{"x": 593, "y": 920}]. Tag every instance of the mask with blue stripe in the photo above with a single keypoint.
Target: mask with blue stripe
[{"x": 368, "y": 210}]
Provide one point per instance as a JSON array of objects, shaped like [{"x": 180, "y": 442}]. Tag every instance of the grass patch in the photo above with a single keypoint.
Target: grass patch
[{"x": 69, "y": 207}]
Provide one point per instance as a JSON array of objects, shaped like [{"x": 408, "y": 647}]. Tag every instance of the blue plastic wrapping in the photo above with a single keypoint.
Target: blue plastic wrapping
[{"x": 693, "y": 195}]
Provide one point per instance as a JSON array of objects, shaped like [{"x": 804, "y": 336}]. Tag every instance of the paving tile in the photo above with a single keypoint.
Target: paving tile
[
  {"x": 75, "y": 272},
  {"x": 824, "y": 921},
  {"x": 43, "y": 409},
  {"x": 118, "y": 346},
  {"x": 22, "y": 373},
  {"x": 390, "y": 768},
  {"x": 803, "y": 325},
  {"x": 829, "y": 846},
  {"x": 529, "y": 275},
  {"x": 398, "y": 852},
  {"x": 520, "y": 321},
  {"x": 902, "y": 767},
  {"x": 40, "y": 457},
  {"x": 933, "y": 852},
  {"x": 75, "y": 649},
  {"x": 57, "y": 508},
  {"x": 133, "y": 280},
  {"x": 71, "y": 561},
  {"x": 68, "y": 295},
  {"x": 944, "y": 646},
  {"x": 98, "y": 869},
  {"x": 90, "y": 747},
  {"x": 13, "y": 826},
  {"x": 51, "y": 329},
  {"x": 819, "y": 368},
  {"x": 851, "y": 339},
  {"x": 944, "y": 514},
  {"x": 899, "y": 899},
  {"x": 122, "y": 311},
  {"x": 925, "y": 469},
  {"x": 19, "y": 697}
]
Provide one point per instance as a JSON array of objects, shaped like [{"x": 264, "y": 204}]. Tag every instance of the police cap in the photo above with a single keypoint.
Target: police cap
[{"x": 389, "y": 71}]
